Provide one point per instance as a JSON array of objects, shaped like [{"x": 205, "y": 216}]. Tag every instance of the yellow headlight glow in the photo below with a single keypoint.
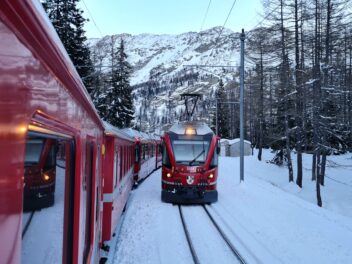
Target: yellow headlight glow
[
  {"x": 168, "y": 175},
  {"x": 211, "y": 176},
  {"x": 190, "y": 131}
]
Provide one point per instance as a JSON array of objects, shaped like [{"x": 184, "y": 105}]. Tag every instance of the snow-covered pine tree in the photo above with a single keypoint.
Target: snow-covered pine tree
[
  {"x": 125, "y": 69},
  {"x": 68, "y": 22},
  {"x": 118, "y": 93},
  {"x": 223, "y": 114}
]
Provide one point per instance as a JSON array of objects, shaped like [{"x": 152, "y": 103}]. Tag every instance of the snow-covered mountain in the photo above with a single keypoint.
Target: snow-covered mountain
[{"x": 161, "y": 70}]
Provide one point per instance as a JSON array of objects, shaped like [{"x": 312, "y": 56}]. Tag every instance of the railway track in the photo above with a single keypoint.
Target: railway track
[
  {"x": 217, "y": 227},
  {"x": 188, "y": 237},
  {"x": 24, "y": 230}
]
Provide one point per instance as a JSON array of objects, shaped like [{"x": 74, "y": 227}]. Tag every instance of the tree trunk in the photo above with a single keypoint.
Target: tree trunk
[
  {"x": 317, "y": 182},
  {"x": 288, "y": 152},
  {"x": 299, "y": 103},
  {"x": 299, "y": 169},
  {"x": 261, "y": 106},
  {"x": 323, "y": 165},
  {"x": 314, "y": 163}
]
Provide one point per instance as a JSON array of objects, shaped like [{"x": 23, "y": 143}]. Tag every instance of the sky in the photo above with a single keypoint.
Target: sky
[{"x": 167, "y": 16}]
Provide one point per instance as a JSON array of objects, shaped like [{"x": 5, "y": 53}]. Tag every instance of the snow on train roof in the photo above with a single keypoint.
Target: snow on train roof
[
  {"x": 201, "y": 128},
  {"x": 110, "y": 129},
  {"x": 138, "y": 134}
]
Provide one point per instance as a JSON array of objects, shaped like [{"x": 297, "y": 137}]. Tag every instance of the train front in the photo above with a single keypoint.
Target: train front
[{"x": 189, "y": 167}]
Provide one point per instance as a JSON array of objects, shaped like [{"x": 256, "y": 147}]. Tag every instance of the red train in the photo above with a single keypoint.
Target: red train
[
  {"x": 148, "y": 153},
  {"x": 82, "y": 189},
  {"x": 123, "y": 166},
  {"x": 189, "y": 166}
]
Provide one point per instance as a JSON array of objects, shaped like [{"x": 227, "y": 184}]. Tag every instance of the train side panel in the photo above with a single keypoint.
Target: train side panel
[
  {"x": 118, "y": 181},
  {"x": 40, "y": 91}
]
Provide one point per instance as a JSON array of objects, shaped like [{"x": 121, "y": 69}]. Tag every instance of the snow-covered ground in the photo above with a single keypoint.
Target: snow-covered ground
[
  {"x": 337, "y": 192},
  {"x": 268, "y": 219}
]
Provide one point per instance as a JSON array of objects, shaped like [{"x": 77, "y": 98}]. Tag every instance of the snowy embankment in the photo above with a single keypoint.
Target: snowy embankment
[{"x": 262, "y": 217}]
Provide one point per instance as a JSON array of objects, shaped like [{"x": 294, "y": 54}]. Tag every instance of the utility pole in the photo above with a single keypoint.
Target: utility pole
[{"x": 242, "y": 38}]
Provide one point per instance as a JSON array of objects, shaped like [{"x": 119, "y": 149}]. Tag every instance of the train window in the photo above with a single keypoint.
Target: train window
[
  {"x": 118, "y": 166},
  {"x": 51, "y": 159},
  {"x": 137, "y": 153},
  {"x": 115, "y": 168},
  {"x": 130, "y": 156},
  {"x": 47, "y": 218},
  {"x": 122, "y": 162},
  {"x": 166, "y": 159},
  {"x": 143, "y": 151},
  {"x": 33, "y": 150},
  {"x": 214, "y": 160}
]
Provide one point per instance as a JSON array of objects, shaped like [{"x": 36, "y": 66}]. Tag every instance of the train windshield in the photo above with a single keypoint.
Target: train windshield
[{"x": 191, "y": 151}]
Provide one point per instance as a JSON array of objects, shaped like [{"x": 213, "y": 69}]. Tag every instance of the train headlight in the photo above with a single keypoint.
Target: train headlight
[
  {"x": 46, "y": 177},
  {"x": 190, "y": 131},
  {"x": 211, "y": 176},
  {"x": 168, "y": 175}
]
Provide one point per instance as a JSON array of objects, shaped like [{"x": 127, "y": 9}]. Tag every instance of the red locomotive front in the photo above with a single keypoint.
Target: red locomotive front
[{"x": 190, "y": 160}]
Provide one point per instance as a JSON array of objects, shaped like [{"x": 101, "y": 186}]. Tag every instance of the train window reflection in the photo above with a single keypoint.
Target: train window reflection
[
  {"x": 33, "y": 150},
  {"x": 44, "y": 200}
]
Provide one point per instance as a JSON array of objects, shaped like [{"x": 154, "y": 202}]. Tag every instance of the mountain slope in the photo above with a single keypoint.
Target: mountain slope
[{"x": 161, "y": 70}]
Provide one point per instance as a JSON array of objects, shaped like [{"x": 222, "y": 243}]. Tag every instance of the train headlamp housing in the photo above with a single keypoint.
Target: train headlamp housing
[
  {"x": 190, "y": 131},
  {"x": 211, "y": 176},
  {"x": 168, "y": 175}
]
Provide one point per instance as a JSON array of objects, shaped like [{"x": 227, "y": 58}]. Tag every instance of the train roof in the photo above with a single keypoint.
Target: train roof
[
  {"x": 114, "y": 131},
  {"x": 139, "y": 135},
  {"x": 200, "y": 127}
]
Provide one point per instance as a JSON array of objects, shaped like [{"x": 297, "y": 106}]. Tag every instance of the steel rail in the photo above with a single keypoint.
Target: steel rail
[
  {"x": 226, "y": 239},
  {"x": 27, "y": 224},
  {"x": 190, "y": 244}
]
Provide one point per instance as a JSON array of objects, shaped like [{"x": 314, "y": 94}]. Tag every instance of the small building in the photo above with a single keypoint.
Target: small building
[
  {"x": 231, "y": 147},
  {"x": 224, "y": 147}
]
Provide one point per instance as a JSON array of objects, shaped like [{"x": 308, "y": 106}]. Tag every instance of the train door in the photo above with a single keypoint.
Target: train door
[
  {"x": 89, "y": 191},
  {"x": 47, "y": 218}
]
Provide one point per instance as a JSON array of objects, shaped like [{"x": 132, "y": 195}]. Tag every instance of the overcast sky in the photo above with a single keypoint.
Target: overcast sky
[{"x": 167, "y": 16}]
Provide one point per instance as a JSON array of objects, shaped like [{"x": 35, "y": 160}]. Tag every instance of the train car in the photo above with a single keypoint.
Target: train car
[
  {"x": 42, "y": 99},
  {"x": 145, "y": 157},
  {"x": 190, "y": 164},
  {"x": 118, "y": 168}
]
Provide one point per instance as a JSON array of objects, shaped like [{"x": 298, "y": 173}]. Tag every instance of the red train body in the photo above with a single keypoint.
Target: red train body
[
  {"x": 190, "y": 159},
  {"x": 42, "y": 99},
  {"x": 147, "y": 155},
  {"x": 118, "y": 166}
]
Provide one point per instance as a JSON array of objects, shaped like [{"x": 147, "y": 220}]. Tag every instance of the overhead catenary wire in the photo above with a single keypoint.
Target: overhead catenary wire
[
  {"x": 91, "y": 16},
  {"x": 222, "y": 29},
  {"x": 205, "y": 16}
]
